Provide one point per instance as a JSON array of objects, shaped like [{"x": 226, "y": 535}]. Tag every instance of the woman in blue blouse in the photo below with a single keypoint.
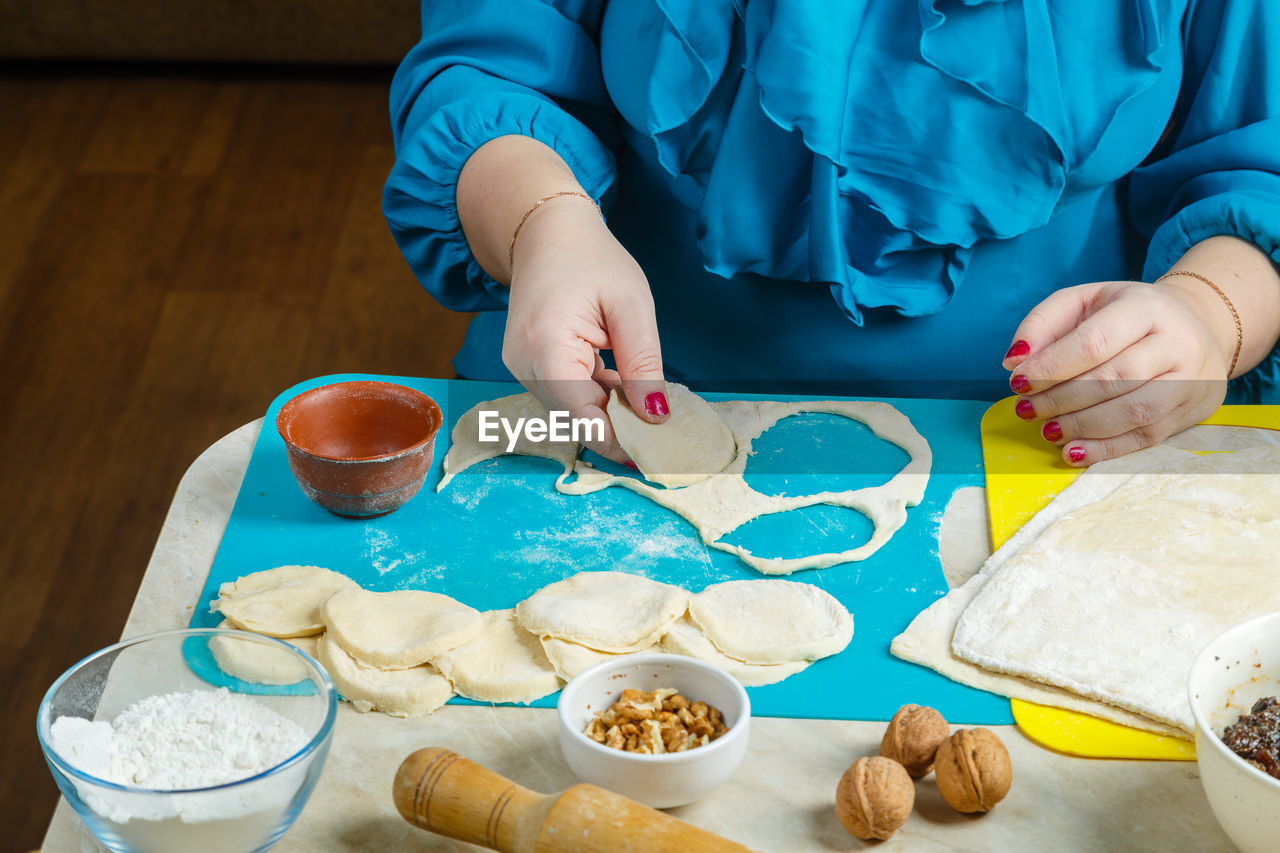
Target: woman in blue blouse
[{"x": 855, "y": 197}]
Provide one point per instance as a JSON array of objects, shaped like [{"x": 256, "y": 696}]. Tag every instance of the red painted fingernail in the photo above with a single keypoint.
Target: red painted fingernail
[
  {"x": 1020, "y": 384},
  {"x": 656, "y": 404},
  {"x": 633, "y": 466},
  {"x": 1025, "y": 410},
  {"x": 1075, "y": 454},
  {"x": 1019, "y": 349},
  {"x": 1053, "y": 432}
]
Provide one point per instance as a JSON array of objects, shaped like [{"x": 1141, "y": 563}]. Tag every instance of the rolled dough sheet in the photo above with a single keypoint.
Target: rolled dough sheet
[
  {"x": 927, "y": 640},
  {"x": 1114, "y": 599}
]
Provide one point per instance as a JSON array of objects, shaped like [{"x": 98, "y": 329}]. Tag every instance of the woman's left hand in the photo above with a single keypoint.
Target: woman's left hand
[{"x": 1113, "y": 367}]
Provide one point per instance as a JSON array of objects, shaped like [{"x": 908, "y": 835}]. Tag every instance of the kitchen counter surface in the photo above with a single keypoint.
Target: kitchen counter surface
[{"x": 779, "y": 800}]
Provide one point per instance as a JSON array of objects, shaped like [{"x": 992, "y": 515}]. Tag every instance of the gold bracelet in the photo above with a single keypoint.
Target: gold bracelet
[
  {"x": 1234, "y": 314},
  {"x": 511, "y": 250}
]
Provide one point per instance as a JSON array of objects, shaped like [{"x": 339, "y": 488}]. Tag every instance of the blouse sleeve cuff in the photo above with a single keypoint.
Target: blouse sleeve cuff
[{"x": 420, "y": 199}]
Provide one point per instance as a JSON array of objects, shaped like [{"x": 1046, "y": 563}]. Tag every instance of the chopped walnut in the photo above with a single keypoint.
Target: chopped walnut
[{"x": 656, "y": 722}]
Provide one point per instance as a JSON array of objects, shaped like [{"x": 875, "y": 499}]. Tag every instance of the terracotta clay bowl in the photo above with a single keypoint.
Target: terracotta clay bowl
[{"x": 360, "y": 449}]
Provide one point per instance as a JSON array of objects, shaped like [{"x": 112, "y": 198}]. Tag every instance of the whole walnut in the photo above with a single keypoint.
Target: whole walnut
[
  {"x": 874, "y": 797},
  {"x": 973, "y": 769},
  {"x": 913, "y": 737}
]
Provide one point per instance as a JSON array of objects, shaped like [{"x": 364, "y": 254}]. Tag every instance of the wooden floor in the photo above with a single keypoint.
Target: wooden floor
[{"x": 176, "y": 247}]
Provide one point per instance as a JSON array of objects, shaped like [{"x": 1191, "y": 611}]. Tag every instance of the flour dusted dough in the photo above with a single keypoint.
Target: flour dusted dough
[
  {"x": 505, "y": 663},
  {"x": 281, "y": 602},
  {"x": 606, "y": 611},
  {"x": 259, "y": 662},
  {"x": 771, "y": 621},
  {"x": 724, "y": 502},
  {"x": 692, "y": 444},
  {"x": 400, "y": 629},
  {"x": 569, "y": 659},
  {"x": 686, "y": 638},
  {"x": 1114, "y": 599},
  {"x": 466, "y": 450},
  {"x": 400, "y": 692},
  {"x": 964, "y": 535},
  {"x": 927, "y": 640}
]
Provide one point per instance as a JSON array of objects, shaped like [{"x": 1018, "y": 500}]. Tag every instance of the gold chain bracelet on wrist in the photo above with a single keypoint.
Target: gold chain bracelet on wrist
[
  {"x": 1235, "y": 315},
  {"x": 511, "y": 250}
]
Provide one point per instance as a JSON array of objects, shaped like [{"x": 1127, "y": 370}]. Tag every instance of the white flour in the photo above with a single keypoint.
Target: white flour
[{"x": 180, "y": 740}]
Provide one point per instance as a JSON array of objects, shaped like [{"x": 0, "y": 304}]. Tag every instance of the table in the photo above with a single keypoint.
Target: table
[{"x": 780, "y": 798}]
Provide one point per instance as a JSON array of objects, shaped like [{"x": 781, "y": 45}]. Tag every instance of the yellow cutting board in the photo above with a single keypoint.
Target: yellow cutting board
[{"x": 1024, "y": 473}]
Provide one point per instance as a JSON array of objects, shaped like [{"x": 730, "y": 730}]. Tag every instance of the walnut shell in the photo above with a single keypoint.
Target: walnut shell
[
  {"x": 874, "y": 797},
  {"x": 913, "y": 737},
  {"x": 973, "y": 768}
]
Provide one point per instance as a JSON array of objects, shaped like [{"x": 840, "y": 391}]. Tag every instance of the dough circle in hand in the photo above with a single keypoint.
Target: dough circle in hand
[
  {"x": 685, "y": 638},
  {"x": 568, "y": 659},
  {"x": 607, "y": 611},
  {"x": 691, "y": 445},
  {"x": 259, "y": 662},
  {"x": 771, "y": 621},
  {"x": 398, "y": 692},
  {"x": 505, "y": 663},
  {"x": 400, "y": 629},
  {"x": 281, "y": 602}
]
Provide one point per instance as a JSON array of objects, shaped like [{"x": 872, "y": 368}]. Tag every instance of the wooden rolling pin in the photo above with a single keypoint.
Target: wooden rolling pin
[{"x": 440, "y": 791}]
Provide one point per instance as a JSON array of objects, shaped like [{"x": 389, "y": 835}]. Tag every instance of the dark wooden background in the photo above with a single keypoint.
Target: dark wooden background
[{"x": 177, "y": 246}]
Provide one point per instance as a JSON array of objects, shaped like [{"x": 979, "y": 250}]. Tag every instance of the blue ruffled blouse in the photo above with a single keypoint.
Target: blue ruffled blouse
[{"x": 863, "y": 196}]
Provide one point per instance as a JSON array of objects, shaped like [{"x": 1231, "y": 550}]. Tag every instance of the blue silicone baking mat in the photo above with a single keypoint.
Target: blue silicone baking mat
[{"x": 500, "y": 531}]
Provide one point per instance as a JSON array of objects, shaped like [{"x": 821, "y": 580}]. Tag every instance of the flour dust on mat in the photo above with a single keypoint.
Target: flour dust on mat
[{"x": 718, "y": 501}]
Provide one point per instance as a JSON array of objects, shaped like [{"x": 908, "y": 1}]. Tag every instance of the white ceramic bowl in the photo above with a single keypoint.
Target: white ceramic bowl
[
  {"x": 660, "y": 781},
  {"x": 1237, "y": 668}
]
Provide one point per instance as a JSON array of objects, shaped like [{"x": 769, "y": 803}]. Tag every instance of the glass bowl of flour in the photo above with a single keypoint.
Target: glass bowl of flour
[{"x": 204, "y": 740}]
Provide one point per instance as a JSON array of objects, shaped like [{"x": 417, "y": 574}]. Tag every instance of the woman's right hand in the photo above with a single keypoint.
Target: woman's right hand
[{"x": 574, "y": 292}]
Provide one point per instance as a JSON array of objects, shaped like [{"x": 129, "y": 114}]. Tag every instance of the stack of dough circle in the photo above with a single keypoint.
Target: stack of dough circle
[
  {"x": 398, "y": 630},
  {"x": 398, "y": 692},
  {"x": 685, "y": 638},
  {"x": 505, "y": 663},
  {"x": 691, "y": 445},
  {"x": 260, "y": 662},
  {"x": 281, "y": 602},
  {"x": 605, "y": 611},
  {"x": 772, "y": 621},
  {"x": 568, "y": 659}
]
